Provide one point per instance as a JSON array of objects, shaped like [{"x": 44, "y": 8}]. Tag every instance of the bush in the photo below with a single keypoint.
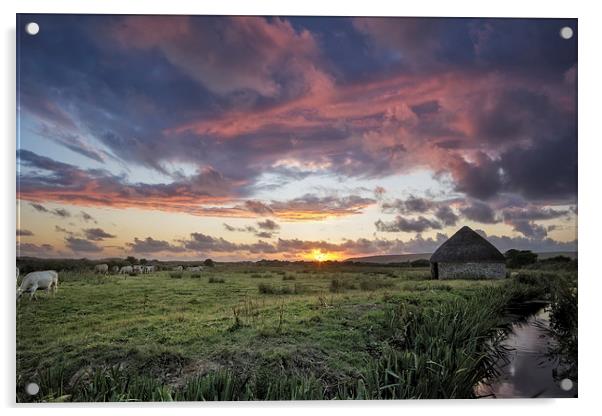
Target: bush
[
  {"x": 339, "y": 285},
  {"x": 288, "y": 277},
  {"x": 176, "y": 275},
  {"x": 420, "y": 263},
  {"x": 216, "y": 280},
  {"x": 375, "y": 284},
  {"x": 519, "y": 258},
  {"x": 268, "y": 289},
  {"x": 195, "y": 276}
]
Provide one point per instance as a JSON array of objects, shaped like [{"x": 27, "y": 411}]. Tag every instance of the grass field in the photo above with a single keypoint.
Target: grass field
[{"x": 243, "y": 332}]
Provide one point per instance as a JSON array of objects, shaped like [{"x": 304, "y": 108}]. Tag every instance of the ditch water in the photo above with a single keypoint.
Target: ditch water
[{"x": 531, "y": 369}]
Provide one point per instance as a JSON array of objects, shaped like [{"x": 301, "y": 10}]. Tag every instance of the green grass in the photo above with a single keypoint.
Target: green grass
[{"x": 380, "y": 333}]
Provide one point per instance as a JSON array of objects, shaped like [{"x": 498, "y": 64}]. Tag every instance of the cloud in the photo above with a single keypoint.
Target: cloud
[
  {"x": 34, "y": 250},
  {"x": 446, "y": 215},
  {"x": 59, "y": 212},
  {"x": 479, "y": 212},
  {"x": 150, "y": 245},
  {"x": 487, "y": 105},
  {"x": 39, "y": 207},
  {"x": 264, "y": 234},
  {"x": 81, "y": 245},
  {"x": 87, "y": 217},
  {"x": 268, "y": 224},
  {"x": 252, "y": 51},
  {"x": 23, "y": 233},
  {"x": 96, "y": 234},
  {"x": 400, "y": 223},
  {"x": 529, "y": 229}
]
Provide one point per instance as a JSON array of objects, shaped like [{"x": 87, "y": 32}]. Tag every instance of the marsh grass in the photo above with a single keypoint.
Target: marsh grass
[{"x": 404, "y": 338}]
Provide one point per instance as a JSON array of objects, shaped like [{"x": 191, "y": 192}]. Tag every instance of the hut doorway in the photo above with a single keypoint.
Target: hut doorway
[{"x": 435, "y": 270}]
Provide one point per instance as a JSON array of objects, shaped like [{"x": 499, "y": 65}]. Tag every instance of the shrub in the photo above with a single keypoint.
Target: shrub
[
  {"x": 339, "y": 285},
  {"x": 133, "y": 273},
  {"x": 420, "y": 263},
  {"x": 288, "y": 277},
  {"x": 195, "y": 276},
  {"x": 176, "y": 275},
  {"x": 519, "y": 258},
  {"x": 216, "y": 280},
  {"x": 268, "y": 289},
  {"x": 374, "y": 284}
]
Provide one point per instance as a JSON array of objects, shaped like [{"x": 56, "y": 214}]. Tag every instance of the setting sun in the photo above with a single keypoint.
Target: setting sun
[{"x": 320, "y": 256}]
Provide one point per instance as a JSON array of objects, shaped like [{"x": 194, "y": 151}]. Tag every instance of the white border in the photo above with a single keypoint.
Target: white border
[{"x": 590, "y": 149}]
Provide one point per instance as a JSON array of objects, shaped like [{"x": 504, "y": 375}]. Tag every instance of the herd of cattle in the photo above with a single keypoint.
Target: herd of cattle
[{"x": 48, "y": 280}]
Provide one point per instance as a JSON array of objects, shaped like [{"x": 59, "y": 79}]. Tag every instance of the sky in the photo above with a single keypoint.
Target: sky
[{"x": 293, "y": 138}]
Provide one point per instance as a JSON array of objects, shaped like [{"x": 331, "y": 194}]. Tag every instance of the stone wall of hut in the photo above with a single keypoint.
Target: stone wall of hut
[{"x": 472, "y": 270}]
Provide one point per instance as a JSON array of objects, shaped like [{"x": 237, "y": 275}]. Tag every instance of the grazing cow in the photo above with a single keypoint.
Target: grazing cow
[
  {"x": 149, "y": 269},
  {"x": 126, "y": 270},
  {"x": 101, "y": 268},
  {"x": 47, "y": 280},
  {"x": 178, "y": 269},
  {"x": 115, "y": 269},
  {"x": 138, "y": 269},
  {"x": 194, "y": 269}
]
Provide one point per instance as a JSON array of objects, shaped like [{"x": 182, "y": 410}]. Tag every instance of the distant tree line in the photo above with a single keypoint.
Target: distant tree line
[{"x": 526, "y": 259}]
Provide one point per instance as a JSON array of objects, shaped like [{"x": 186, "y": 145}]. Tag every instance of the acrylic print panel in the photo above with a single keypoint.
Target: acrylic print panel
[{"x": 293, "y": 208}]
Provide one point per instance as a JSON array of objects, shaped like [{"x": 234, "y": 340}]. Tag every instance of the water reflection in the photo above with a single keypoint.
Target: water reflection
[{"x": 530, "y": 370}]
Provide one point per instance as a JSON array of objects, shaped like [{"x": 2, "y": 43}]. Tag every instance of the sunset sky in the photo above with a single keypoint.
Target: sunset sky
[{"x": 293, "y": 138}]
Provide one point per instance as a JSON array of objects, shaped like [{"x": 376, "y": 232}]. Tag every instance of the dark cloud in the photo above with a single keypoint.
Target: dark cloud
[
  {"x": 23, "y": 233},
  {"x": 479, "y": 212},
  {"x": 529, "y": 229},
  {"x": 97, "y": 234},
  {"x": 533, "y": 213},
  {"x": 446, "y": 215},
  {"x": 35, "y": 250},
  {"x": 268, "y": 224},
  {"x": 538, "y": 244},
  {"x": 150, "y": 245},
  {"x": 81, "y": 245},
  {"x": 400, "y": 223},
  {"x": 60, "y": 229},
  {"x": 264, "y": 234},
  {"x": 39, "y": 207},
  {"x": 61, "y": 212},
  {"x": 87, "y": 217}
]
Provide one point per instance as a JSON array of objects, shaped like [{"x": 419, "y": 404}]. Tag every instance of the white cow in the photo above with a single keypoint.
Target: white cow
[
  {"x": 138, "y": 269},
  {"x": 178, "y": 269},
  {"x": 125, "y": 270},
  {"x": 101, "y": 268},
  {"x": 149, "y": 269},
  {"x": 47, "y": 280},
  {"x": 194, "y": 269}
]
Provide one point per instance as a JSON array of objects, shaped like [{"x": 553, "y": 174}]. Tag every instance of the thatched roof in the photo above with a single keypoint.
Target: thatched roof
[{"x": 467, "y": 246}]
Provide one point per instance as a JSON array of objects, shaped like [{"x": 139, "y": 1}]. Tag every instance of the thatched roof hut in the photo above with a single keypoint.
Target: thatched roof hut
[{"x": 467, "y": 254}]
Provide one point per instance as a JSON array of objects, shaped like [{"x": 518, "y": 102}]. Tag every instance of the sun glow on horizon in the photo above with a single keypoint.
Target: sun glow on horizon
[{"x": 320, "y": 256}]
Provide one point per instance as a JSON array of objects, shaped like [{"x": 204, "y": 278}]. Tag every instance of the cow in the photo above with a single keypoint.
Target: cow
[
  {"x": 125, "y": 270},
  {"x": 194, "y": 269},
  {"x": 47, "y": 280},
  {"x": 115, "y": 269},
  {"x": 138, "y": 269},
  {"x": 101, "y": 268},
  {"x": 149, "y": 269},
  {"x": 178, "y": 269}
]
